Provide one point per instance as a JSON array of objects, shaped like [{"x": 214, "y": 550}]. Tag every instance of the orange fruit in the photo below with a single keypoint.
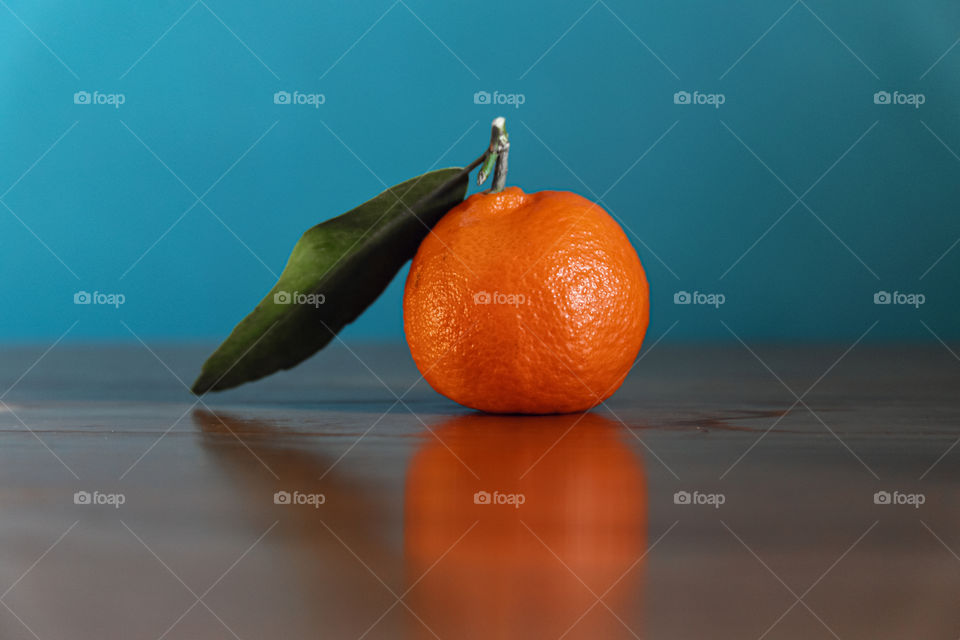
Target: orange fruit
[{"x": 526, "y": 303}]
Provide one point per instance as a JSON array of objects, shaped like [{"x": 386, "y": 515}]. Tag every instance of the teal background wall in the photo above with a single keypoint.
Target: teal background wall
[{"x": 799, "y": 198}]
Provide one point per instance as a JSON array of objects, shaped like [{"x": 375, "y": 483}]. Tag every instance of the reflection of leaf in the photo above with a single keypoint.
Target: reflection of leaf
[{"x": 335, "y": 271}]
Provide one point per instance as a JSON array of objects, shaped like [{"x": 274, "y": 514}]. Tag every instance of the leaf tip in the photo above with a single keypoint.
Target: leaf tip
[{"x": 204, "y": 383}]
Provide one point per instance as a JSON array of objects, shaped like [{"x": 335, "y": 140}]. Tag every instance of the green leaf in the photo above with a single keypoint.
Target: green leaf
[{"x": 335, "y": 271}]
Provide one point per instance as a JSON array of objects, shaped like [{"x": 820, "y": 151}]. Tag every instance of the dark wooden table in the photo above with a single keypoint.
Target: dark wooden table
[{"x": 782, "y": 453}]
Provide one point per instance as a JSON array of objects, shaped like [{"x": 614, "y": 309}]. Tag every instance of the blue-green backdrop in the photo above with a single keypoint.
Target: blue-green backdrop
[{"x": 813, "y": 166}]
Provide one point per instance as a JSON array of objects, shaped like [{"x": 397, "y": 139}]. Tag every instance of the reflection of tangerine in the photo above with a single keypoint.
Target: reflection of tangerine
[
  {"x": 526, "y": 303},
  {"x": 585, "y": 501}
]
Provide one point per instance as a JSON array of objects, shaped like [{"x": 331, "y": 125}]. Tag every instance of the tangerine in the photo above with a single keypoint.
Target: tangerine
[{"x": 526, "y": 303}]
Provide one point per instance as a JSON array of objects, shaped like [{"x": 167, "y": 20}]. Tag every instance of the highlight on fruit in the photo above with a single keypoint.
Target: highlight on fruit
[{"x": 527, "y": 303}]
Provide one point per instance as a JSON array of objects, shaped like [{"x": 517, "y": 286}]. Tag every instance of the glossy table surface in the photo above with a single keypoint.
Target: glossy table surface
[{"x": 721, "y": 493}]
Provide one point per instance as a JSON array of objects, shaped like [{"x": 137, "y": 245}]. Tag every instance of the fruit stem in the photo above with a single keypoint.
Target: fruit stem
[{"x": 495, "y": 158}]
